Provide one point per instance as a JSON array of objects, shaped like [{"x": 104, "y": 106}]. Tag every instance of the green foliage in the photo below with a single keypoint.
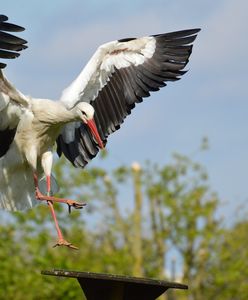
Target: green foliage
[
  {"x": 171, "y": 210},
  {"x": 228, "y": 272}
]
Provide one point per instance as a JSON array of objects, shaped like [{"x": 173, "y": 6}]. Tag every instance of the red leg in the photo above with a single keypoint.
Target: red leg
[
  {"x": 61, "y": 241},
  {"x": 41, "y": 197}
]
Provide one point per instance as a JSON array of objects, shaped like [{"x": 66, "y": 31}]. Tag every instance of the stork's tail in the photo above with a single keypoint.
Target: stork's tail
[{"x": 18, "y": 193}]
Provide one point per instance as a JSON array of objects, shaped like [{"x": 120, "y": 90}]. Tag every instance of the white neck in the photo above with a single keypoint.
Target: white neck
[{"x": 53, "y": 112}]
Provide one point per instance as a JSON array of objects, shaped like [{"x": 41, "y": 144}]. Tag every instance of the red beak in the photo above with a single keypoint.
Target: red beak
[{"x": 92, "y": 125}]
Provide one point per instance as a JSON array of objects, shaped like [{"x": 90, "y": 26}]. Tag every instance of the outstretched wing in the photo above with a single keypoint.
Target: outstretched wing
[
  {"x": 12, "y": 105},
  {"x": 12, "y": 102},
  {"x": 16, "y": 183},
  {"x": 119, "y": 75},
  {"x": 10, "y": 45}
]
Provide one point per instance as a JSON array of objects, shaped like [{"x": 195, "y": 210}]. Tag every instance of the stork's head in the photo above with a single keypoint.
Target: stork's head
[{"x": 85, "y": 112}]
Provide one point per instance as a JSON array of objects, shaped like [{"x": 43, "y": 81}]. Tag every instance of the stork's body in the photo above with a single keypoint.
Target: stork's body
[
  {"x": 117, "y": 77},
  {"x": 30, "y": 152},
  {"x": 38, "y": 128}
]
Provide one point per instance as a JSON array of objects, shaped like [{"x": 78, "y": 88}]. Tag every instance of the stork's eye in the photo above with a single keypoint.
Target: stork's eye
[{"x": 84, "y": 113}]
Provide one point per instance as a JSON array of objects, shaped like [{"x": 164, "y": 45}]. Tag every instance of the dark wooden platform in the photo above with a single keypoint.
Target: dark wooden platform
[{"x": 97, "y": 286}]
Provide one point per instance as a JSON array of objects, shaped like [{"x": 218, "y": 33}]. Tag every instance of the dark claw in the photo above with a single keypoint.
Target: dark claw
[
  {"x": 76, "y": 205},
  {"x": 79, "y": 205}
]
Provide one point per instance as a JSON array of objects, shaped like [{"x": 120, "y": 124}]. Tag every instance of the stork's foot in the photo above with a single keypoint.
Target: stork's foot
[
  {"x": 70, "y": 203},
  {"x": 63, "y": 242},
  {"x": 76, "y": 205}
]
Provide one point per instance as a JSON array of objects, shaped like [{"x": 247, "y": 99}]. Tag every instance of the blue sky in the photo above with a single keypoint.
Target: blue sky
[{"x": 211, "y": 99}]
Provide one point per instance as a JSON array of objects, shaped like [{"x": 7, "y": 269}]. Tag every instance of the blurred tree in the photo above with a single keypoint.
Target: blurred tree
[
  {"x": 170, "y": 211},
  {"x": 185, "y": 215},
  {"x": 227, "y": 270}
]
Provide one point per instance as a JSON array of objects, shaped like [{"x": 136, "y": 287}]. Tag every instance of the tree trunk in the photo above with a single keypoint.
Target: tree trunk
[{"x": 137, "y": 219}]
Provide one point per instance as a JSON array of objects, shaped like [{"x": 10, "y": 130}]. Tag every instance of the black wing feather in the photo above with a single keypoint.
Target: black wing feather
[
  {"x": 6, "y": 137},
  {"x": 9, "y": 43}
]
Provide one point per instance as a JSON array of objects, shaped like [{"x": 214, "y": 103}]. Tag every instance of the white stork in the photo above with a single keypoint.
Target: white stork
[{"x": 119, "y": 75}]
